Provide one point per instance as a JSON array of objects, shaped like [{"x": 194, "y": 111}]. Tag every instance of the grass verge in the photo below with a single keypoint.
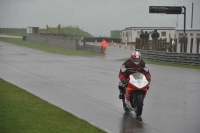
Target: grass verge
[
  {"x": 76, "y": 32},
  {"x": 13, "y": 31},
  {"x": 22, "y": 112},
  {"x": 48, "y": 48},
  {"x": 168, "y": 64}
]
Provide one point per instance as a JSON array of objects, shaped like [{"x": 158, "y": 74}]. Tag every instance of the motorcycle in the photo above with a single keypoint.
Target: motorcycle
[{"x": 135, "y": 92}]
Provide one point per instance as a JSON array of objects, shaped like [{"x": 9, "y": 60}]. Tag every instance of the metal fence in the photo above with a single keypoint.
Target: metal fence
[
  {"x": 183, "y": 58},
  {"x": 185, "y": 45}
]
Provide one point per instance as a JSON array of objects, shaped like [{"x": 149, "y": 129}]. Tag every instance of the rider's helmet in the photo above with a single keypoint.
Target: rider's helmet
[{"x": 136, "y": 57}]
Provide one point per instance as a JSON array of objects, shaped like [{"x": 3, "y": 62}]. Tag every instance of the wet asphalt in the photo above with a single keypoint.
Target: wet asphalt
[{"x": 87, "y": 88}]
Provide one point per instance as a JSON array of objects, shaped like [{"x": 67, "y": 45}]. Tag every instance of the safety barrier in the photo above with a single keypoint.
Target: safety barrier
[
  {"x": 99, "y": 39},
  {"x": 93, "y": 48},
  {"x": 89, "y": 47},
  {"x": 183, "y": 58}
]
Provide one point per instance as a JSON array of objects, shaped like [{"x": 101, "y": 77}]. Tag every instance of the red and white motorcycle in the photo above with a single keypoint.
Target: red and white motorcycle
[{"x": 135, "y": 92}]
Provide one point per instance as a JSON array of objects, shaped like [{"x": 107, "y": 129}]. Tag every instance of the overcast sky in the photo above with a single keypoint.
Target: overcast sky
[{"x": 97, "y": 17}]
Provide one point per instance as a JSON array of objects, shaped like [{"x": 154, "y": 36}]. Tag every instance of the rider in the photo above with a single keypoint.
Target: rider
[{"x": 135, "y": 63}]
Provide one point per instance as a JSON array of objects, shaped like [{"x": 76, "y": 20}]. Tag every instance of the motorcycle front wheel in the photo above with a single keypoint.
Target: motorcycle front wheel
[{"x": 139, "y": 105}]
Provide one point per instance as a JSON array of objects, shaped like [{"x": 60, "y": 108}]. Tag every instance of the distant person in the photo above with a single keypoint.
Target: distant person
[
  {"x": 173, "y": 46},
  {"x": 146, "y": 34},
  {"x": 155, "y": 34},
  {"x": 104, "y": 46},
  {"x": 142, "y": 35}
]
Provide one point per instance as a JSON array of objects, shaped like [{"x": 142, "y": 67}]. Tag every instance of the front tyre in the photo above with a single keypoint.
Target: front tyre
[{"x": 139, "y": 105}]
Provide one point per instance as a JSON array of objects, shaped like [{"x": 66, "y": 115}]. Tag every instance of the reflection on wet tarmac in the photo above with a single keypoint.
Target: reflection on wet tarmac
[
  {"x": 131, "y": 123},
  {"x": 104, "y": 57}
]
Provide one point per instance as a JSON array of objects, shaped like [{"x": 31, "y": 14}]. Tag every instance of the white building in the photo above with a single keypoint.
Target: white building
[
  {"x": 32, "y": 30},
  {"x": 129, "y": 34}
]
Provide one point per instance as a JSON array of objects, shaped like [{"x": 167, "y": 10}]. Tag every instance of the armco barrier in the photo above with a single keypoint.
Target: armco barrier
[
  {"x": 183, "y": 58},
  {"x": 58, "y": 41}
]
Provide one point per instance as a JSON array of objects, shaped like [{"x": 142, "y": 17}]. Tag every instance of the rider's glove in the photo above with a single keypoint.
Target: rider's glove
[
  {"x": 124, "y": 82},
  {"x": 122, "y": 85}
]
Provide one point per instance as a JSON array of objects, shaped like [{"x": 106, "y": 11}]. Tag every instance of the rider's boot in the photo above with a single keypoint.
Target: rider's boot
[
  {"x": 121, "y": 88},
  {"x": 121, "y": 94}
]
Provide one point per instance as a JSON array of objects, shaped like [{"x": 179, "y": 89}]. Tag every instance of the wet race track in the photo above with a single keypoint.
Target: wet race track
[{"x": 87, "y": 87}]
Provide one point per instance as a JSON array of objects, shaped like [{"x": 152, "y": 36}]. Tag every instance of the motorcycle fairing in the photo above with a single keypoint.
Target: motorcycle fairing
[{"x": 138, "y": 80}]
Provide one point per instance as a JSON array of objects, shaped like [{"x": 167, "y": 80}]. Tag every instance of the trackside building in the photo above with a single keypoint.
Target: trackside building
[{"x": 129, "y": 34}]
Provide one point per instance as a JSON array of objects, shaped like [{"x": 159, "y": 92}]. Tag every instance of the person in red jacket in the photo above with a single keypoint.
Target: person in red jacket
[
  {"x": 104, "y": 46},
  {"x": 134, "y": 63}
]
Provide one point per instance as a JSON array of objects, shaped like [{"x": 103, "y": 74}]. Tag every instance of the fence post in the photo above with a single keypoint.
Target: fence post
[
  {"x": 139, "y": 43},
  {"x": 136, "y": 42},
  {"x": 198, "y": 40},
  {"x": 175, "y": 47},
  {"x": 159, "y": 44},
  {"x": 191, "y": 45},
  {"x": 185, "y": 41},
  {"x": 170, "y": 44},
  {"x": 156, "y": 46},
  {"x": 148, "y": 43},
  {"x": 143, "y": 43},
  {"x": 153, "y": 43},
  {"x": 181, "y": 44}
]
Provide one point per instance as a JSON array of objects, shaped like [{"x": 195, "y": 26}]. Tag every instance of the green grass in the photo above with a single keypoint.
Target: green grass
[
  {"x": 168, "y": 64},
  {"x": 76, "y": 32},
  {"x": 22, "y": 112},
  {"x": 68, "y": 30},
  {"x": 48, "y": 48},
  {"x": 13, "y": 31}
]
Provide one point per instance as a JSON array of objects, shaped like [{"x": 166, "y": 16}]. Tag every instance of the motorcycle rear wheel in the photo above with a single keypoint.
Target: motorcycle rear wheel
[{"x": 139, "y": 105}]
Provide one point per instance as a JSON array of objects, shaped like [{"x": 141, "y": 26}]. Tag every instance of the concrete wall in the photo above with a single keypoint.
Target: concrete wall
[{"x": 63, "y": 42}]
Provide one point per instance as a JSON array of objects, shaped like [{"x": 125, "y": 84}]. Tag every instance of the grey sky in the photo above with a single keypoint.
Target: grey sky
[{"x": 97, "y": 17}]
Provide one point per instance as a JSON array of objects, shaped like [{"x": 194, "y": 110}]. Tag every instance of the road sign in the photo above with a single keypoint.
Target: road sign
[{"x": 165, "y": 9}]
